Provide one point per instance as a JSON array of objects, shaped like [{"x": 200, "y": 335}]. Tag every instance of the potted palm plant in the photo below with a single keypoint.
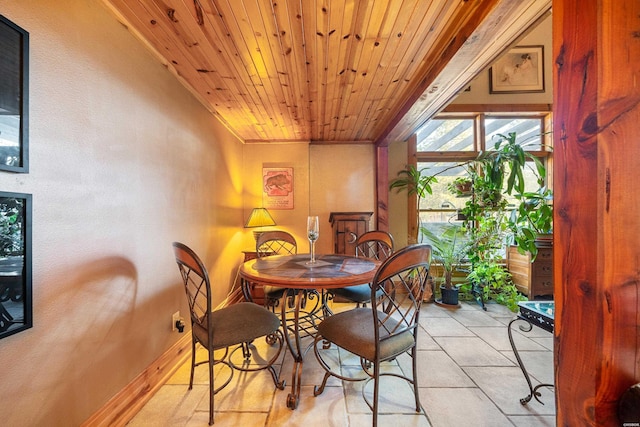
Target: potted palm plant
[{"x": 449, "y": 250}]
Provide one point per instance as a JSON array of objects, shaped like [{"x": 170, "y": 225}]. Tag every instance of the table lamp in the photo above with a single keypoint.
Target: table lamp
[{"x": 260, "y": 217}]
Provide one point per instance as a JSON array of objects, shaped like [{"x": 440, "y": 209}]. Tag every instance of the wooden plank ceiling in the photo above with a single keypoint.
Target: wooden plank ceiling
[{"x": 326, "y": 71}]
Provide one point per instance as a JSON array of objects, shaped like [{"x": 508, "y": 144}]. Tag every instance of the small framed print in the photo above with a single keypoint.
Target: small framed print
[
  {"x": 520, "y": 70},
  {"x": 277, "y": 188}
]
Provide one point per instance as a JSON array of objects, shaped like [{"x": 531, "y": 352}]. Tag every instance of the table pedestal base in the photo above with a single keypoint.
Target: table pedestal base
[
  {"x": 306, "y": 293},
  {"x": 301, "y": 311}
]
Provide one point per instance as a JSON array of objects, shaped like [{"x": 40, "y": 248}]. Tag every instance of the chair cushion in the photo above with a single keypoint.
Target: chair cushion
[
  {"x": 358, "y": 293},
  {"x": 238, "y": 323},
  {"x": 353, "y": 331}
]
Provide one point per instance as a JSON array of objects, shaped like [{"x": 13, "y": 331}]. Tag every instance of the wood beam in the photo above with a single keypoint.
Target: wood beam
[
  {"x": 497, "y": 108},
  {"x": 382, "y": 188},
  {"x": 596, "y": 221}
]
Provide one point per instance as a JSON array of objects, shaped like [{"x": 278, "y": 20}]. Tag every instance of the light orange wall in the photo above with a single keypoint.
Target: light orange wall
[
  {"x": 343, "y": 179},
  {"x": 123, "y": 162},
  {"x": 398, "y": 209},
  {"x": 296, "y": 156},
  {"x": 326, "y": 179}
]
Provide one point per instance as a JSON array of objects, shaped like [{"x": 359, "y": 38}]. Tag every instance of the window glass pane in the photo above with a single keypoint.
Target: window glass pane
[
  {"x": 442, "y": 197},
  {"x": 438, "y": 222},
  {"x": 528, "y": 131},
  {"x": 446, "y": 135},
  {"x": 439, "y": 210},
  {"x": 9, "y": 139}
]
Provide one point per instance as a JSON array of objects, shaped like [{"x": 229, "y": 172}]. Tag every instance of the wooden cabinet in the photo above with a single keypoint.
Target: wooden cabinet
[
  {"x": 531, "y": 278},
  {"x": 249, "y": 255},
  {"x": 346, "y": 227}
]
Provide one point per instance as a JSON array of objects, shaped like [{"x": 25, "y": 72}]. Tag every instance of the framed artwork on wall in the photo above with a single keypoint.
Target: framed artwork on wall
[
  {"x": 277, "y": 188},
  {"x": 520, "y": 70},
  {"x": 15, "y": 263},
  {"x": 14, "y": 88}
]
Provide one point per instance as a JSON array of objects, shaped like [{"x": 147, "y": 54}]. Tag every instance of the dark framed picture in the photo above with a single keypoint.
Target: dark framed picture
[
  {"x": 14, "y": 102},
  {"x": 520, "y": 70},
  {"x": 15, "y": 263}
]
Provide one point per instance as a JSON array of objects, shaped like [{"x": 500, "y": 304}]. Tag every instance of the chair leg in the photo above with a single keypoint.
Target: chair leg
[
  {"x": 211, "y": 387},
  {"x": 278, "y": 336},
  {"x": 246, "y": 353},
  {"x": 376, "y": 386},
  {"x": 317, "y": 390},
  {"x": 276, "y": 378},
  {"x": 414, "y": 365},
  {"x": 326, "y": 297},
  {"x": 193, "y": 361}
]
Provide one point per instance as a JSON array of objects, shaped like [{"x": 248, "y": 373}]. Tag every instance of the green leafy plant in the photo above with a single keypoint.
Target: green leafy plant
[
  {"x": 414, "y": 181},
  {"x": 534, "y": 213},
  {"x": 487, "y": 233},
  {"x": 532, "y": 217},
  {"x": 488, "y": 218},
  {"x": 509, "y": 157},
  {"x": 495, "y": 284},
  {"x": 10, "y": 227},
  {"x": 461, "y": 186},
  {"x": 487, "y": 278}
]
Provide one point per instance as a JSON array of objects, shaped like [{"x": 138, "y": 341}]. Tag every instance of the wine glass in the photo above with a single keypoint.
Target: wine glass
[{"x": 313, "y": 232}]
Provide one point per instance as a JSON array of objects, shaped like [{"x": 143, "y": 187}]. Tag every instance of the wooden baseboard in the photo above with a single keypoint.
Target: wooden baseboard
[{"x": 125, "y": 405}]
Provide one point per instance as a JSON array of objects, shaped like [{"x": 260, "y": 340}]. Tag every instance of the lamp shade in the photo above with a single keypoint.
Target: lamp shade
[{"x": 260, "y": 217}]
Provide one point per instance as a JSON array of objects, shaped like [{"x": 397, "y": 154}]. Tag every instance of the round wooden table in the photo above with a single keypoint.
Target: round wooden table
[{"x": 305, "y": 282}]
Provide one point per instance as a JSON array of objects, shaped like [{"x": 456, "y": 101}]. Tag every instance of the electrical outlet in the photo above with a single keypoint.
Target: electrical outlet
[{"x": 174, "y": 318}]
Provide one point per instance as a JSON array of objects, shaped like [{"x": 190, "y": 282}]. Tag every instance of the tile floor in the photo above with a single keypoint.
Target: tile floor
[{"x": 468, "y": 376}]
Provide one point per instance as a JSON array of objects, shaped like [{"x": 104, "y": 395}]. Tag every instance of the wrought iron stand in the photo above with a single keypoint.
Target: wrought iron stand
[{"x": 538, "y": 314}]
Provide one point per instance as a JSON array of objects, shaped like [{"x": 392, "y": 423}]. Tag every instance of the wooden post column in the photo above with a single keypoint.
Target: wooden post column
[
  {"x": 382, "y": 188},
  {"x": 597, "y": 207}
]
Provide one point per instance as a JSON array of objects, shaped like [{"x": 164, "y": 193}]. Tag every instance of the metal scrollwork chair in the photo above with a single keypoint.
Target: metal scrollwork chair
[
  {"x": 275, "y": 243},
  {"x": 372, "y": 244},
  {"x": 233, "y": 326},
  {"x": 282, "y": 243},
  {"x": 385, "y": 330}
]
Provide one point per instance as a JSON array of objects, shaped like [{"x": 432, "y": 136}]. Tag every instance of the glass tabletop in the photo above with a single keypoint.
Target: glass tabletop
[
  {"x": 538, "y": 313},
  {"x": 294, "y": 271},
  {"x": 544, "y": 308}
]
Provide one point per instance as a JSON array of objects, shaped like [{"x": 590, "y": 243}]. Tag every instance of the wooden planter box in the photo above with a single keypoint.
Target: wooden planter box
[{"x": 532, "y": 279}]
